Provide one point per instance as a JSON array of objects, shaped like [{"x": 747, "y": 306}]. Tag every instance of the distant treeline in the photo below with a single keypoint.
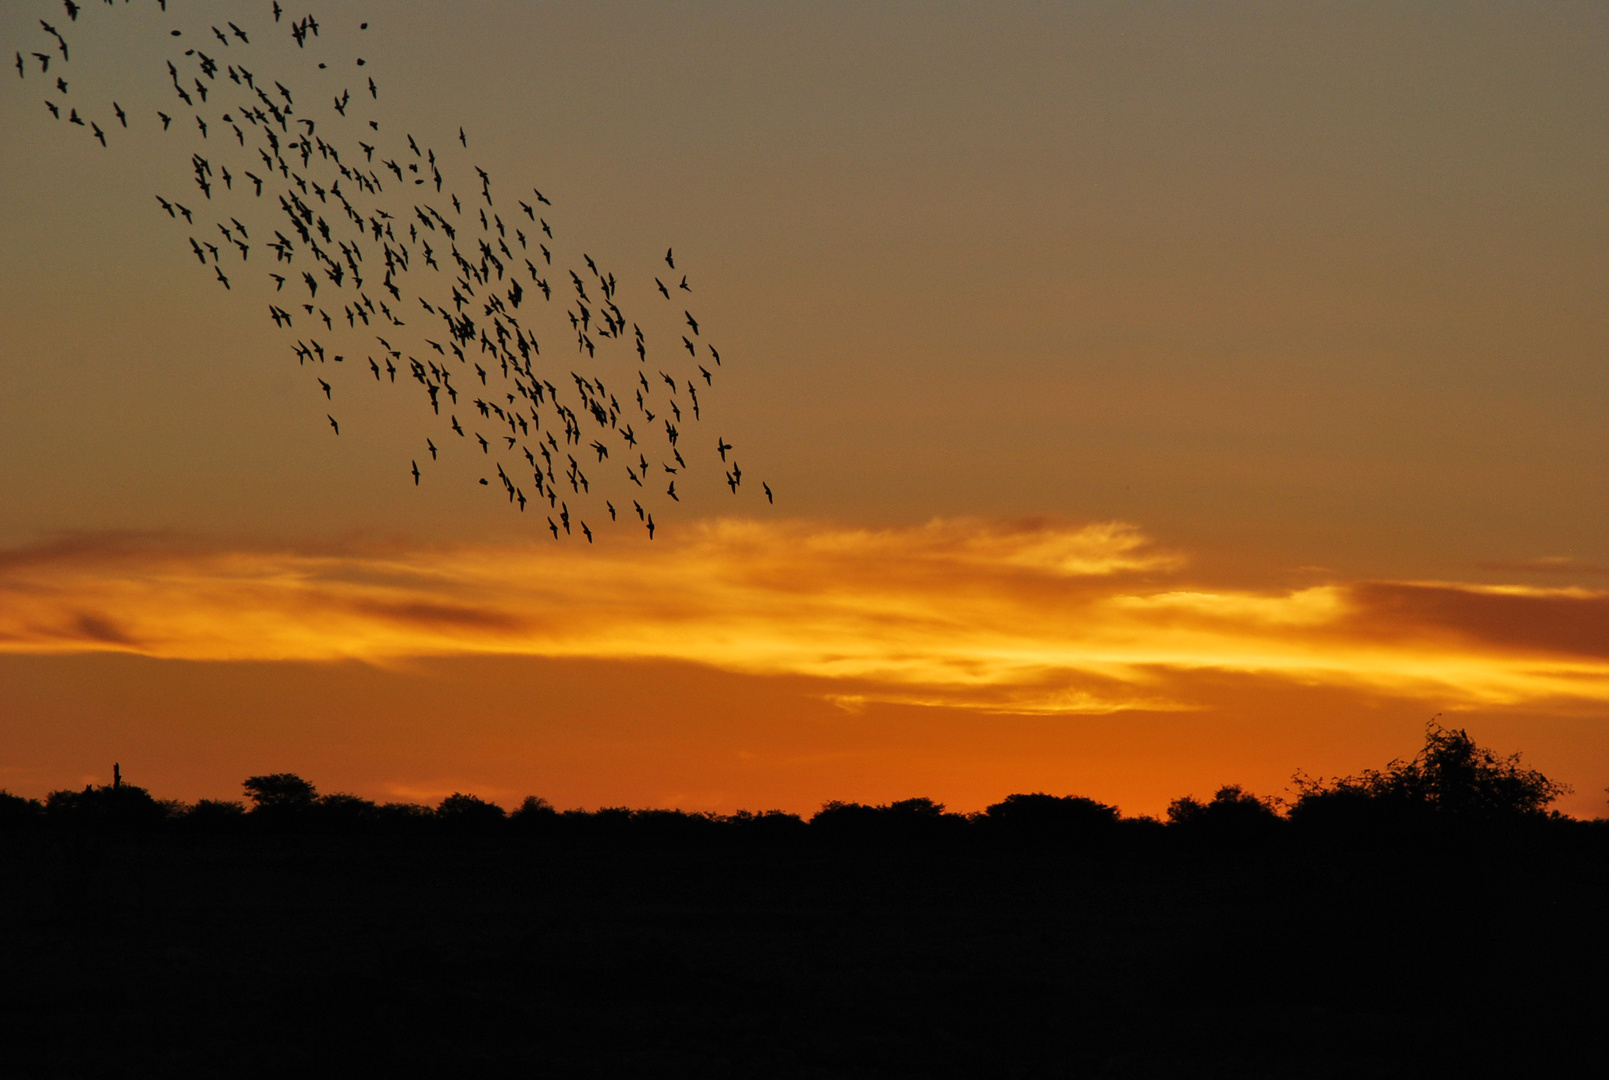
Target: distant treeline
[
  {"x": 1432, "y": 918},
  {"x": 1451, "y": 784}
]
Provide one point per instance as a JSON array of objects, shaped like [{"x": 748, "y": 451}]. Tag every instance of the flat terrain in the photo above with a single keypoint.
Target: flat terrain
[{"x": 256, "y": 953}]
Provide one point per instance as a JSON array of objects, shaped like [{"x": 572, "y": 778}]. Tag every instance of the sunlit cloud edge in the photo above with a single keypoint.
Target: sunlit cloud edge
[{"x": 1037, "y": 617}]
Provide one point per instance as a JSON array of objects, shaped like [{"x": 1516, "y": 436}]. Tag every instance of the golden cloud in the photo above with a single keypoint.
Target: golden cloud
[{"x": 1035, "y": 617}]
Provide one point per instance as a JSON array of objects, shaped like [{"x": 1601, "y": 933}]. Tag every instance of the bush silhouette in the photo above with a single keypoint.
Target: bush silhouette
[{"x": 1451, "y": 780}]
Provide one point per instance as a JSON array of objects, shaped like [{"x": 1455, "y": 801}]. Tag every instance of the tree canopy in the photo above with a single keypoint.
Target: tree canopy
[
  {"x": 1451, "y": 779},
  {"x": 280, "y": 791}
]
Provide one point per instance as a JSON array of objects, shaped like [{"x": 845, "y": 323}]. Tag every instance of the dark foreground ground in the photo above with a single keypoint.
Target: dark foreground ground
[{"x": 262, "y": 954}]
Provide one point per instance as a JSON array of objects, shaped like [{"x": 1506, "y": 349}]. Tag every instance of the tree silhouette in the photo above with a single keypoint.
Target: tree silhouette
[
  {"x": 16, "y": 810},
  {"x": 906, "y": 819},
  {"x": 215, "y": 813},
  {"x": 1050, "y": 817},
  {"x": 1234, "y": 815},
  {"x": 1451, "y": 779},
  {"x": 109, "y": 805},
  {"x": 342, "y": 810},
  {"x": 279, "y": 792},
  {"x": 774, "y": 824},
  {"x": 469, "y": 811}
]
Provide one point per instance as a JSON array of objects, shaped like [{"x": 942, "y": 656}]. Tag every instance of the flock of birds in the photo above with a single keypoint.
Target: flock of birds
[{"x": 382, "y": 269}]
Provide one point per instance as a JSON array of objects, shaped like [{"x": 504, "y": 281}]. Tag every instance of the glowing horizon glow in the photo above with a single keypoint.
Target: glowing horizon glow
[{"x": 1030, "y": 617}]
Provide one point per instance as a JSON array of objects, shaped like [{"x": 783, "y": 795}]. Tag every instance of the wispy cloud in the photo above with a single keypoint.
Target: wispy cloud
[
  {"x": 1035, "y": 617},
  {"x": 1547, "y": 564}
]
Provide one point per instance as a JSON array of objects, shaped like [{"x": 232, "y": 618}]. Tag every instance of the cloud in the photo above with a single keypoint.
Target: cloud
[
  {"x": 1547, "y": 564},
  {"x": 1569, "y": 622},
  {"x": 1026, "y": 617}
]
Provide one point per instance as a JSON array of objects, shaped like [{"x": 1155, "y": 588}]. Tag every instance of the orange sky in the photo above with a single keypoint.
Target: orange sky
[
  {"x": 741, "y": 663},
  {"x": 1155, "y": 398}
]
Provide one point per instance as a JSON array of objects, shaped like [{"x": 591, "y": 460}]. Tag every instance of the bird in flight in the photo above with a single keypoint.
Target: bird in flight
[{"x": 376, "y": 246}]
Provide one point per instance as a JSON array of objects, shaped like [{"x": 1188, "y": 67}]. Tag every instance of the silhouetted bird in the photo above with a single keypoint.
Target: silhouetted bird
[{"x": 343, "y": 228}]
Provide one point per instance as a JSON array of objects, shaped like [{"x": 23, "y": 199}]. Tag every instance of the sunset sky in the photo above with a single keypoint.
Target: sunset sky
[{"x": 1155, "y": 397}]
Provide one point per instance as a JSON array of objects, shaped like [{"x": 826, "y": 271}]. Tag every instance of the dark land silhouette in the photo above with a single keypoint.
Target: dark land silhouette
[{"x": 1429, "y": 918}]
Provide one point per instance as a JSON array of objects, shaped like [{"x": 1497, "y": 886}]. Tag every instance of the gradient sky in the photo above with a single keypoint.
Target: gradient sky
[{"x": 1156, "y": 397}]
